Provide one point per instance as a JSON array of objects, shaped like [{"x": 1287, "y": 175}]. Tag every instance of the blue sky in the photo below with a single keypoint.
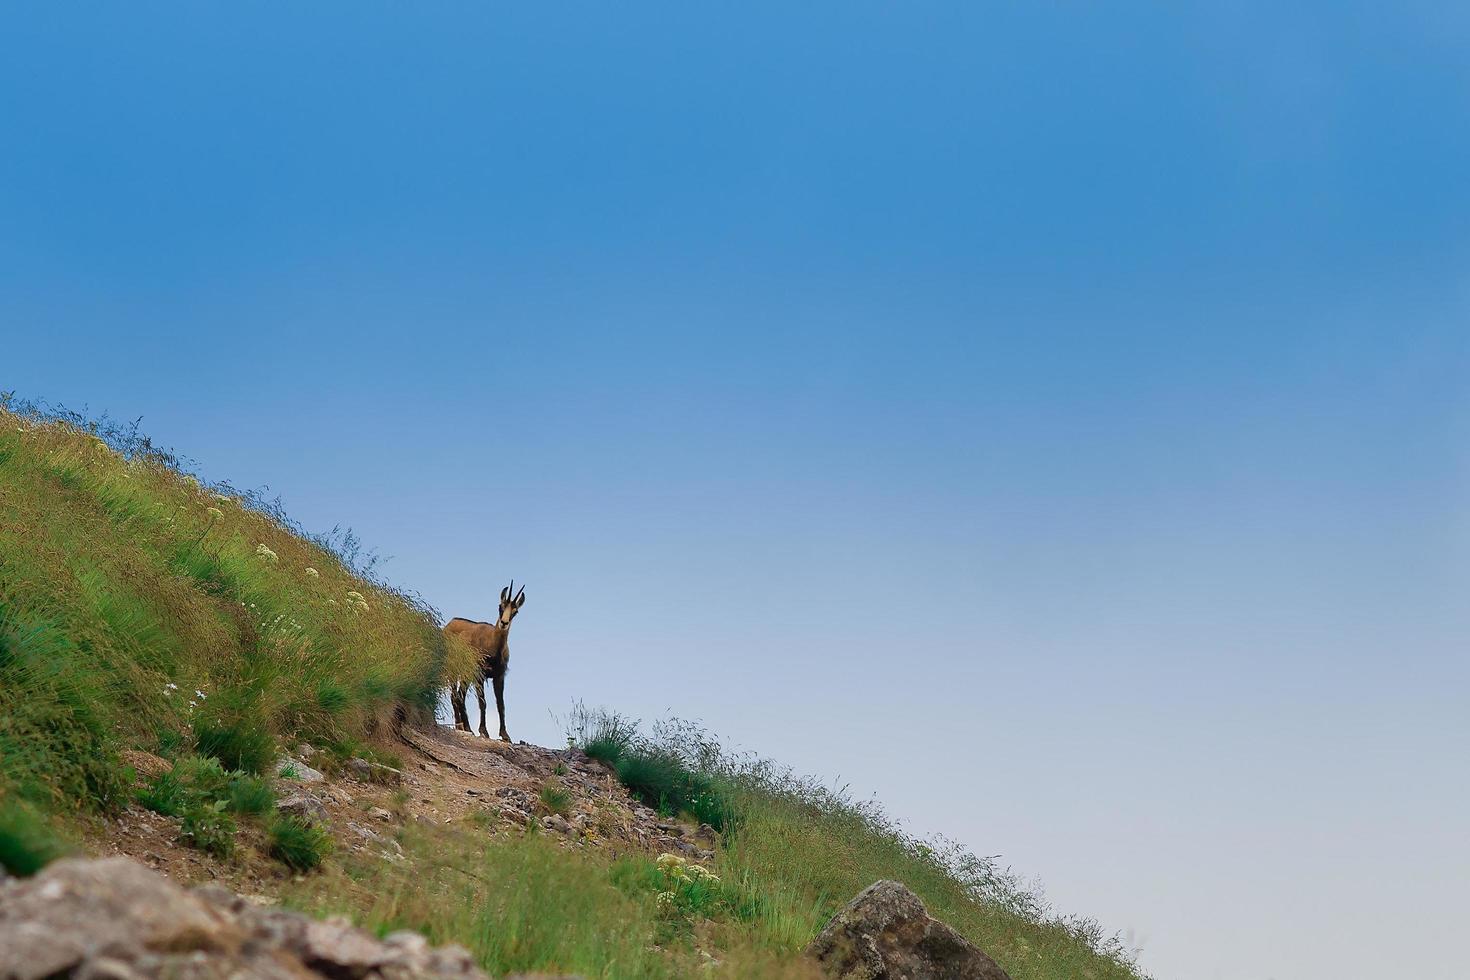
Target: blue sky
[{"x": 1050, "y": 417}]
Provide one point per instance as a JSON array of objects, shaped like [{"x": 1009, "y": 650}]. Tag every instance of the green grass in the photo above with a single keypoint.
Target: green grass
[
  {"x": 663, "y": 774},
  {"x": 27, "y": 842},
  {"x": 250, "y": 794},
  {"x": 796, "y": 851},
  {"x": 209, "y": 827},
  {"x": 204, "y": 796},
  {"x": 556, "y": 798},
  {"x": 142, "y": 609},
  {"x": 297, "y": 844},
  {"x": 525, "y": 904}
]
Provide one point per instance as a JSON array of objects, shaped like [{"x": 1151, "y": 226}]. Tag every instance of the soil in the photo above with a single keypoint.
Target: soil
[{"x": 448, "y": 776}]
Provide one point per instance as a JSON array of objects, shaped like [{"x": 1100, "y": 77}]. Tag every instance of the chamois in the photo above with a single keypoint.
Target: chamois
[{"x": 491, "y": 642}]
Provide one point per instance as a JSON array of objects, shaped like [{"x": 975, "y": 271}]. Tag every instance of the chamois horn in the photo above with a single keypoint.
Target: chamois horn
[{"x": 520, "y": 595}]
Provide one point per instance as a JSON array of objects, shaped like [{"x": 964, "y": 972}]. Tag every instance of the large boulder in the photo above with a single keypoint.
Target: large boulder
[
  {"x": 112, "y": 919},
  {"x": 886, "y": 934},
  {"x": 78, "y": 909}
]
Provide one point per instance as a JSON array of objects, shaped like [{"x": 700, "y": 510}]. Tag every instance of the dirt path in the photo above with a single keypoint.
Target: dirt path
[{"x": 446, "y": 777}]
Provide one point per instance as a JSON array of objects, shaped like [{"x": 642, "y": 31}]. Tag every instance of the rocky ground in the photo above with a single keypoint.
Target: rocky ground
[
  {"x": 150, "y": 908},
  {"x": 447, "y": 776}
]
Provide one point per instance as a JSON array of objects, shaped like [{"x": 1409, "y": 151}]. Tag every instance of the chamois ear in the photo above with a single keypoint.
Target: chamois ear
[{"x": 505, "y": 594}]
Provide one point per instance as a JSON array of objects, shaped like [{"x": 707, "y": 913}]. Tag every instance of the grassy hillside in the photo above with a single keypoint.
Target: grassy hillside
[
  {"x": 140, "y": 608},
  {"x": 143, "y": 610}
]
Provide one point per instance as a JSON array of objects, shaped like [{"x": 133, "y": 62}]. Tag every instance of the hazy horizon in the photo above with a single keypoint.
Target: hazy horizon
[{"x": 1051, "y": 420}]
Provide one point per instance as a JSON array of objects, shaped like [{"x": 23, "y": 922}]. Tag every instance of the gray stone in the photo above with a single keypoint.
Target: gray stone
[
  {"x": 298, "y": 771},
  {"x": 372, "y": 772},
  {"x": 886, "y": 934},
  {"x": 305, "y": 806},
  {"x": 557, "y": 823},
  {"x": 77, "y": 909},
  {"x": 112, "y": 919}
]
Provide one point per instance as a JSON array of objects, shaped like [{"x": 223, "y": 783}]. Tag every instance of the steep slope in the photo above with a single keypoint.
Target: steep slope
[{"x": 178, "y": 662}]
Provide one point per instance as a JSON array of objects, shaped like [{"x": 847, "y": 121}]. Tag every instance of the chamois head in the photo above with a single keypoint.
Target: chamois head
[{"x": 510, "y": 606}]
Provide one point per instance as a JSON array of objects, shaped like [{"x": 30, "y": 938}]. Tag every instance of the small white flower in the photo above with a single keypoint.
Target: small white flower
[
  {"x": 199, "y": 695},
  {"x": 265, "y": 552},
  {"x": 215, "y": 514},
  {"x": 312, "y": 572},
  {"x": 173, "y": 687}
]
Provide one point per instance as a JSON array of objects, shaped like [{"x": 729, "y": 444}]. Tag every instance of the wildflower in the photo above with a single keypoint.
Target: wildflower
[
  {"x": 215, "y": 514},
  {"x": 173, "y": 687},
  {"x": 355, "y": 596},
  {"x": 265, "y": 552},
  {"x": 312, "y": 572},
  {"x": 199, "y": 695}
]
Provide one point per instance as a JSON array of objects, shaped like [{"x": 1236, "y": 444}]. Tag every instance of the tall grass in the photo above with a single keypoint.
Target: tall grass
[
  {"x": 795, "y": 851},
  {"x": 526, "y": 904},
  {"x": 668, "y": 774},
  {"x": 142, "y": 608}
]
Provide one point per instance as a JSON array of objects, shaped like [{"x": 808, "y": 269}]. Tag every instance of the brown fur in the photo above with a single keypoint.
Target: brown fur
[{"x": 491, "y": 643}]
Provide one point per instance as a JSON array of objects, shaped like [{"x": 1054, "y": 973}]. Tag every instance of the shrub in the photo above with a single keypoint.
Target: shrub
[
  {"x": 250, "y": 794},
  {"x": 202, "y": 776},
  {"x": 556, "y": 798},
  {"x": 165, "y": 795},
  {"x": 242, "y": 745},
  {"x": 27, "y": 843},
  {"x": 297, "y": 844},
  {"x": 674, "y": 772},
  {"x": 661, "y": 779},
  {"x": 604, "y": 735},
  {"x": 209, "y": 827}
]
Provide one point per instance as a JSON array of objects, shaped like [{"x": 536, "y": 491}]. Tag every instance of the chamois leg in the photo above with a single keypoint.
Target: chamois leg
[
  {"x": 499, "y": 682},
  {"x": 480, "y": 693},
  {"x": 457, "y": 692}
]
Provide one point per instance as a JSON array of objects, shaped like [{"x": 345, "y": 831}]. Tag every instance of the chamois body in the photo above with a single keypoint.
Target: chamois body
[{"x": 491, "y": 643}]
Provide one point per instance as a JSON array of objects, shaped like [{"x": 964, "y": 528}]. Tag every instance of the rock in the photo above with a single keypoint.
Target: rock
[
  {"x": 335, "y": 947},
  {"x": 337, "y": 795},
  {"x": 364, "y": 832},
  {"x": 372, "y": 772},
  {"x": 295, "y": 769},
  {"x": 886, "y": 934},
  {"x": 77, "y": 910},
  {"x": 112, "y": 919},
  {"x": 304, "y": 806},
  {"x": 557, "y": 823},
  {"x": 378, "y": 813}
]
